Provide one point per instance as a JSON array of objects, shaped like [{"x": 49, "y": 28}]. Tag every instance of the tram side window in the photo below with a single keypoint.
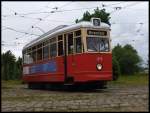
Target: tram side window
[
  {"x": 60, "y": 48},
  {"x": 78, "y": 45},
  {"x": 39, "y": 54},
  {"x": 46, "y": 52},
  {"x": 60, "y": 45},
  {"x": 53, "y": 50},
  {"x": 25, "y": 58},
  {"x": 29, "y": 58},
  {"x": 78, "y": 33},
  {"x": 34, "y": 56},
  {"x": 70, "y": 43}
]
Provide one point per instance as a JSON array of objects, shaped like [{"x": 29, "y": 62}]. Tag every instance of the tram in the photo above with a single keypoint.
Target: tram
[{"x": 69, "y": 55}]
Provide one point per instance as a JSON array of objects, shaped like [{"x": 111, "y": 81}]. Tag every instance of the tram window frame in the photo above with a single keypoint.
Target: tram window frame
[
  {"x": 46, "y": 43},
  {"x": 78, "y": 35},
  {"x": 52, "y": 51},
  {"x": 29, "y": 49},
  {"x": 34, "y": 48},
  {"x": 77, "y": 32},
  {"x": 34, "y": 55},
  {"x": 47, "y": 53},
  {"x": 39, "y": 49},
  {"x": 60, "y": 48},
  {"x": 60, "y": 45},
  {"x": 29, "y": 60},
  {"x": 52, "y": 42},
  {"x": 70, "y": 48},
  {"x": 39, "y": 45},
  {"x": 75, "y": 45},
  {"x": 60, "y": 37}
]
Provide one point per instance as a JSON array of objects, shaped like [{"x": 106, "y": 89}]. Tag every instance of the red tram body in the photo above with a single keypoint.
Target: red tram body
[{"x": 82, "y": 67}]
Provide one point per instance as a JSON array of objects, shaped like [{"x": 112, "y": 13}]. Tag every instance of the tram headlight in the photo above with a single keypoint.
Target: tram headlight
[{"x": 99, "y": 66}]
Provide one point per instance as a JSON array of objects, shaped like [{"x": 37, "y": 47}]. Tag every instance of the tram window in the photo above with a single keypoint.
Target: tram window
[
  {"x": 28, "y": 58},
  {"x": 46, "y": 52},
  {"x": 60, "y": 48},
  {"x": 78, "y": 33},
  {"x": 70, "y": 43},
  {"x": 34, "y": 56},
  {"x": 46, "y": 42},
  {"x": 33, "y": 48},
  {"x": 52, "y": 40},
  {"x": 39, "y": 54},
  {"x": 78, "y": 45},
  {"x": 53, "y": 50},
  {"x": 29, "y": 50},
  {"x": 39, "y": 45},
  {"x": 59, "y": 37}
]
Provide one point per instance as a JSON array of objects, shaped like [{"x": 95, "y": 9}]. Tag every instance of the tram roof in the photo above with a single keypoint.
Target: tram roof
[{"x": 64, "y": 28}]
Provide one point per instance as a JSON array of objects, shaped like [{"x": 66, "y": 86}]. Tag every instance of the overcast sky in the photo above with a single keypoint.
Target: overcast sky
[{"x": 129, "y": 25}]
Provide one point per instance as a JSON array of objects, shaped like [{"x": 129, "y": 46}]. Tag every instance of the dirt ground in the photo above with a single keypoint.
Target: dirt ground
[{"x": 114, "y": 98}]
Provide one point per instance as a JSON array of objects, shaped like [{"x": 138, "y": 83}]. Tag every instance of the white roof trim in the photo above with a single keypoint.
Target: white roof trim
[{"x": 68, "y": 28}]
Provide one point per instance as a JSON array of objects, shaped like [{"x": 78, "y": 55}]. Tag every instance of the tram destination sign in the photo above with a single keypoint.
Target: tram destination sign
[{"x": 98, "y": 33}]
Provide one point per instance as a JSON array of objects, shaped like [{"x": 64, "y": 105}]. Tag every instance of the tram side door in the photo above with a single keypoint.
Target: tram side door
[{"x": 68, "y": 56}]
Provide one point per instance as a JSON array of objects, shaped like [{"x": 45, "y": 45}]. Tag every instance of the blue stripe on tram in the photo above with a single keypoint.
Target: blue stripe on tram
[{"x": 47, "y": 67}]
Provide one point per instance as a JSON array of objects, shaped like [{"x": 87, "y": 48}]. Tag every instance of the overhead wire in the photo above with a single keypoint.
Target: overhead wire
[
  {"x": 20, "y": 31},
  {"x": 64, "y": 11},
  {"x": 60, "y": 10},
  {"x": 40, "y": 20}
]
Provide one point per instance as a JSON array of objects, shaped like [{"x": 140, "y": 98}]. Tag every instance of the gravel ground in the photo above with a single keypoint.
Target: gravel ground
[{"x": 114, "y": 98}]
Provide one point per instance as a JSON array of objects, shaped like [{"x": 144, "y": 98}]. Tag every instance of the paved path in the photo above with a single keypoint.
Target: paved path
[{"x": 114, "y": 98}]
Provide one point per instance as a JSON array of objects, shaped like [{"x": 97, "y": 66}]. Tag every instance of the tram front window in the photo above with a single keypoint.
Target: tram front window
[{"x": 97, "y": 44}]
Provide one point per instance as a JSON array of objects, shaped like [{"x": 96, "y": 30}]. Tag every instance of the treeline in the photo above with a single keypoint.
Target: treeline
[
  {"x": 126, "y": 60},
  {"x": 11, "y": 68}
]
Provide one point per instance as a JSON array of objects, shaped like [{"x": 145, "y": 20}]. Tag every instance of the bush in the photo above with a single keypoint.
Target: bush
[{"x": 116, "y": 68}]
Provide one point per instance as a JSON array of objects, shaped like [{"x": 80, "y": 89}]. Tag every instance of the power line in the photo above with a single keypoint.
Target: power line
[
  {"x": 41, "y": 19},
  {"x": 65, "y": 4},
  {"x": 117, "y": 8},
  {"x": 33, "y": 25},
  {"x": 65, "y": 10},
  {"x": 120, "y": 8},
  {"x": 58, "y": 10},
  {"x": 19, "y": 31}
]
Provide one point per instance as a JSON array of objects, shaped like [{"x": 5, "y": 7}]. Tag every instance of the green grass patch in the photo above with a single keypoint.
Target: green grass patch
[
  {"x": 136, "y": 79},
  {"x": 10, "y": 83}
]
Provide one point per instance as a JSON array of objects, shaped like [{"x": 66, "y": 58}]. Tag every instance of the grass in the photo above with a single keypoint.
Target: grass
[
  {"x": 137, "y": 79},
  {"x": 10, "y": 83}
]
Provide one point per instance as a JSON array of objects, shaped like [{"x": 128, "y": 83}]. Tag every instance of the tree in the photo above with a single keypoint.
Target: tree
[
  {"x": 128, "y": 59},
  {"x": 8, "y": 65},
  {"x": 102, "y": 14},
  {"x": 19, "y": 68},
  {"x": 11, "y": 69},
  {"x": 116, "y": 68}
]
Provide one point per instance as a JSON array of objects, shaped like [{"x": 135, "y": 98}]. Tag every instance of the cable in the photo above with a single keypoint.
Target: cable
[
  {"x": 41, "y": 19},
  {"x": 20, "y": 31},
  {"x": 120, "y": 8},
  {"x": 58, "y": 11},
  {"x": 65, "y": 4}
]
